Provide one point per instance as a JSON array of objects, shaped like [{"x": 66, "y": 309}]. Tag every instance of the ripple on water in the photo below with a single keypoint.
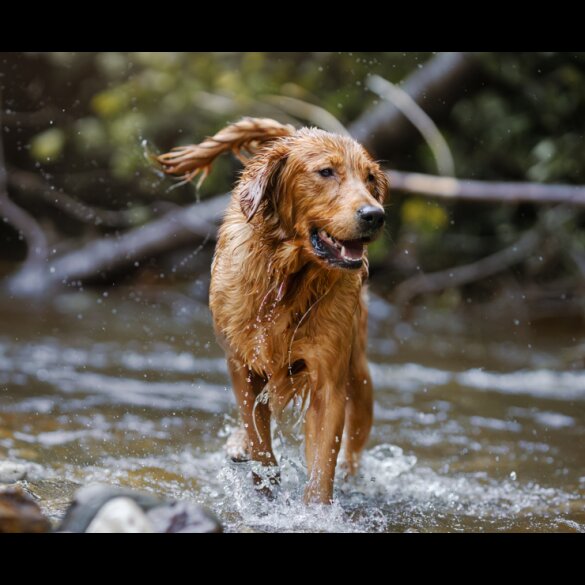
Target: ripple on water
[{"x": 392, "y": 492}]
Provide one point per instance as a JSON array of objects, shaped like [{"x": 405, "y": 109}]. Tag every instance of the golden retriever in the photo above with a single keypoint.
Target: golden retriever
[{"x": 287, "y": 291}]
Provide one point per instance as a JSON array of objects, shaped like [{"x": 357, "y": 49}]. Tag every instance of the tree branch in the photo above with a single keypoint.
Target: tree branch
[
  {"x": 435, "y": 88},
  {"x": 454, "y": 189},
  {"x": 309, "y": 112},
  {"x": 178, "y": 228},
  {"x": 26, "y": 225},
  {"x": 189, "y": 225},
  {"x": 44, "y": 117},
  {"x": 123, "y": 218},
  {"x": 528, "y": 244},
  {"x": 419, "y": 119},
  {"x": 460, "y": 275}
]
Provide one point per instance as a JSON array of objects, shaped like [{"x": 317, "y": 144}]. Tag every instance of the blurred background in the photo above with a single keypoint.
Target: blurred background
[
  {"x": 76, "y": 128},
  {"x": 104, "y": 273}
]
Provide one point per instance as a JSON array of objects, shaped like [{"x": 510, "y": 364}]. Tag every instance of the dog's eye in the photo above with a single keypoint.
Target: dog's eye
[
  {"x": 371, "y": 178},
  {"x": 326, "y": 172}
]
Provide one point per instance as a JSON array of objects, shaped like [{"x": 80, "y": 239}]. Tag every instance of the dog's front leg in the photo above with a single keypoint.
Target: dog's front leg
[
  {"x": 255, "y": 418},
  {"x": 324, "y": 431}
]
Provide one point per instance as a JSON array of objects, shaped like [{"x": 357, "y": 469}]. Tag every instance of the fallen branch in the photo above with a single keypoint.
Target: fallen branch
[
  {"x": 189, "y": 225},
  {"x": 25, "y": 224},
  {"x": 310, "y": 112},
  {"x": 435, "y": 87},
  {"x": 419, "y": 119},
  {"x": 39, "y": 118},
  {"x": 123, "y": 218},
  {"x": 178, "y": 228},
  {"x": 454, "y": 189},
  {"x": 458, "y": 276}
]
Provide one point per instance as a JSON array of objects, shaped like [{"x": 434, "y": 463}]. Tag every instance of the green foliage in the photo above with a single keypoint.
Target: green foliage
[
  {"x": 177, "y": 98},
  {"x": 48, "y": 145},
  {"x": 423, "y": 216},
  {"x": 523, "y": 124}
]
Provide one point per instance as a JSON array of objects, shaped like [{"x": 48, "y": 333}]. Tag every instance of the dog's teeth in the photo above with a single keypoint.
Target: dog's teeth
[{"x": 343, "y": 252}]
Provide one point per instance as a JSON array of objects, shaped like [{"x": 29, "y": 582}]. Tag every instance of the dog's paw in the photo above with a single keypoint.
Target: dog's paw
[
  {"x": 236, "y": 446},
  {"x": 267, "y": 481},
  {"x": 348, "y": 467}
]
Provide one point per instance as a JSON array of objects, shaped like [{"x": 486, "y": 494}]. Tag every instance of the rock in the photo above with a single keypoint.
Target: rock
[
  {"x": 120, "y": 515},
  {"x": 19, "y": 513},
  {"x": 103, "y": 508},
  {"x": 51, "y": 490},
  {"x": 54, "y": 496},
  {"x": 11, "y": 472},
  {"x": 184, "y": 517},
  {"x": 91, "y": 499}
]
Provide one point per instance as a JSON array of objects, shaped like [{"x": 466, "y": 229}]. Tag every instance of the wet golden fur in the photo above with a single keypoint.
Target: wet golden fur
[{"x": 291, "y": 324}]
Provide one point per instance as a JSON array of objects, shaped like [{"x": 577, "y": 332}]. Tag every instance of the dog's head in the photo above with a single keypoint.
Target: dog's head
[{"x": 321, "y": 189}]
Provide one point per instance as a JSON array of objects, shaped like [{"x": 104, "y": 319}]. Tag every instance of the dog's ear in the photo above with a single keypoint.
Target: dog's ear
[
  {"x": 381, "y": 185},
  {"x": 261, "y": 182}
]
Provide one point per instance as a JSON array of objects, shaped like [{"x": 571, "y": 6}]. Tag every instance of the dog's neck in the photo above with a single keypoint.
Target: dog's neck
[
  {"x": 293, "y": 268},
  {"x": 279, "y": 263}
]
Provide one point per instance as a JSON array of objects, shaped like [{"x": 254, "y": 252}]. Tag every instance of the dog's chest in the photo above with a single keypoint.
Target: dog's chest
[
  {"x": 273, "y": 339},
  {"x": 270, "y": 320}
]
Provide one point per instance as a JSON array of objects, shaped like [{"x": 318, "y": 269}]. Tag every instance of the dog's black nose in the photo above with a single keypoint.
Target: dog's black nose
[{"x": 371, "y": 218}]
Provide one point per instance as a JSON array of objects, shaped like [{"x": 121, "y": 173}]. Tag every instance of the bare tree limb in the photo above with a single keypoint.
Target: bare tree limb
[
  {"x": 26, "y": 225},
  {"x": 44, "y": 117},
  {"x": 123, "y": 218},
  {"x": 434, "y": 87},
  {"x": 36, "y": 276},
  {"x": 496, "y": 263},
  {"x": 309, "y": 112},
  {"x": 177, "y": 228},
  {"x": 460, "y": 275},
  {"x": 418, "y": 117},
  {"x": 189, "y": 225},
  {"x": 494, "y": 192}
]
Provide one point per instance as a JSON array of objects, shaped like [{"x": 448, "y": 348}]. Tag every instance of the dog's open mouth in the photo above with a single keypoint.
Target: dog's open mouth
[{"x": 340, "y": 253}]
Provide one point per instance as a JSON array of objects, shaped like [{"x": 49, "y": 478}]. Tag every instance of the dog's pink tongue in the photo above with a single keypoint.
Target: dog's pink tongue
[{"x": 353, "y": 250}]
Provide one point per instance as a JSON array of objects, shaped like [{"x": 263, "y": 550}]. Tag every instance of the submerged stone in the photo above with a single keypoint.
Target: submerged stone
[
  {"x": 120, "y": 515},
  {"x": 184, "y": 517},
  {"x": 19, "y": 513},
  {"x": 103, "y": 508},
  {"x": 89, "y": 500}
]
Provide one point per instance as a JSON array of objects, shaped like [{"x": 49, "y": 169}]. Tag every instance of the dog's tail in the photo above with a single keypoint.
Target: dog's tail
[{"x": 243, "y": 138}]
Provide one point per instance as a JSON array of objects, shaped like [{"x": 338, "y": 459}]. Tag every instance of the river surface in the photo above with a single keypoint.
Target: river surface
[{"x": 477, "y": 428}]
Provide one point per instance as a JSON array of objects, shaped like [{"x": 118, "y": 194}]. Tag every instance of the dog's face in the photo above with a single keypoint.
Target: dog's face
[{"x": 324, "y": 189}]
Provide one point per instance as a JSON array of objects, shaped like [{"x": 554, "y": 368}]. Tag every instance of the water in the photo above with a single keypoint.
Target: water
[{"x": 477, "y": 427}]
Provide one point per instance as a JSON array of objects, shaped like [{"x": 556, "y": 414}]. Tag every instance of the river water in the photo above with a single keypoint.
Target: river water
[{"x": 477, "y": 427}]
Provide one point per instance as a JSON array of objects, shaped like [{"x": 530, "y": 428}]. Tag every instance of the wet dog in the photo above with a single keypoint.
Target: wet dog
[{"x": 287, "y": 291}]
